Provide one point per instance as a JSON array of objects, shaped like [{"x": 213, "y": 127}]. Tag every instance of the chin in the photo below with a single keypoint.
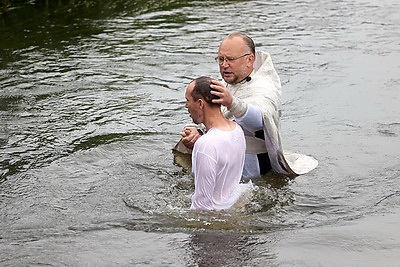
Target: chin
[
  {"x": 197, "y": 121},
  {"x": 230, "y": 79}
]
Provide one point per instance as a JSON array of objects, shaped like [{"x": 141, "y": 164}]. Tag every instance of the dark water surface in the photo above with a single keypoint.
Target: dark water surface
[{"x": 92, "y": 101}]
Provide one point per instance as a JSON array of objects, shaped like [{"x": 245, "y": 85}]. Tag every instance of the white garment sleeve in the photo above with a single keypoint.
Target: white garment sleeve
[
  {"x": 252, "y": 120},
  {"x": 238, "y": 107}
]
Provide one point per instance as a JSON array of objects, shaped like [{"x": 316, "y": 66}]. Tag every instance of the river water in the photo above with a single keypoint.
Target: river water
[{"x": 92, "y": 102}]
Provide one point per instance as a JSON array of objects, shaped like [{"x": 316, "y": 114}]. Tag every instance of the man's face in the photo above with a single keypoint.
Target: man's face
[
  {"x": 234, "y": 71},
  {"x": 193, "y": 107}
]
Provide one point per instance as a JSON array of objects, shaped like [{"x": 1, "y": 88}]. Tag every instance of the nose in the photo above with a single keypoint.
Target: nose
[{"x": 224, "y": 64}]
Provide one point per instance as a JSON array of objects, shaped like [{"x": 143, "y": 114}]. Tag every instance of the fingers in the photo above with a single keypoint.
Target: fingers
[
  {"x": 185, "y": 133},
  {"x": 189, "y": 133},
  {"x": 220, "y": 90},
  {"x": 218, "y": 101},
  {"x": 216, "y": 82},
  {"x": 217, "y": 86},
  {"x": 188, "y": 130},
  {"x": 190, "y": 136},
  {"x": 219, "y": 94}
]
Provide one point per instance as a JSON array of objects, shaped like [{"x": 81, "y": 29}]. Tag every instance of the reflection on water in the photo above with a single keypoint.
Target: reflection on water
[
  {"x": 219, "y": 250},
  {"x": 92, "y": 102}
]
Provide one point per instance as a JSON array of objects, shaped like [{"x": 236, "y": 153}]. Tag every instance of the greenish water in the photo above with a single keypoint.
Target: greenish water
[{"x": 92, "y": 102}]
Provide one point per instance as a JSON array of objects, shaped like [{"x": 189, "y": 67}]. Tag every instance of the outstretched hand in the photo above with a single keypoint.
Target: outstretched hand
[{"x": 219, "y": 89}]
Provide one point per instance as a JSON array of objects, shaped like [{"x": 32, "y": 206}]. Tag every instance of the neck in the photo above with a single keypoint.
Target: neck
[
  {"x": 245, "y": 78},
  {"x": 215, "y": 119}
]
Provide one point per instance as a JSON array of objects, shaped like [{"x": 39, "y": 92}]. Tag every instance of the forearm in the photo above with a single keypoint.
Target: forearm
[
  {"x": 238, "y": 107},
  {"x": 247, "y": 116}
]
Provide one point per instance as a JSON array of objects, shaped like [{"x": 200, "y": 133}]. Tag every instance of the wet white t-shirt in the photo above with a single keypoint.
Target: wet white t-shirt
[{"x": 217, "y": 163}]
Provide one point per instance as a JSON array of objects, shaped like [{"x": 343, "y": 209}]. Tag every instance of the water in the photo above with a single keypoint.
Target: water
[{"x": 92, "y": 101}]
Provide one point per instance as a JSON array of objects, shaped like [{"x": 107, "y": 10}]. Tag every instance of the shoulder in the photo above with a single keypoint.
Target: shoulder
[
  {"x": 264, "y": 69},
  {"x": 215, "y": 137},
  {"x": 207, "y": 139},
  {"x": 208, "y": 144},
  {"x": 238, "y": 133}
]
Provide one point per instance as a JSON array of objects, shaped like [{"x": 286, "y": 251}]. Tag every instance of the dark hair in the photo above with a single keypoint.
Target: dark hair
[
  {"x": 202, "y": 90},
  {"x": 249, "y": 42}
]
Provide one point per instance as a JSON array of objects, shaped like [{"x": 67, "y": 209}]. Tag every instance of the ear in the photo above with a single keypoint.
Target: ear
[
  {"x": 201, "y": 103},
  {"x": 251, "y": 59}
]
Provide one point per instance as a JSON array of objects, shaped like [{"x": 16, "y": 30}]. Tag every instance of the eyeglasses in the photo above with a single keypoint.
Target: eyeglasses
[{"x": 221, "y": 60}]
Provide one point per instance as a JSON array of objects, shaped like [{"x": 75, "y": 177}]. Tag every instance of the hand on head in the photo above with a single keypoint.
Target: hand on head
[{"x": 219, "y": 89}]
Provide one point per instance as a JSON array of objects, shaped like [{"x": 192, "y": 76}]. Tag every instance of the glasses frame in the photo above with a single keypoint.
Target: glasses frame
[{"x": 221, "y": 60}]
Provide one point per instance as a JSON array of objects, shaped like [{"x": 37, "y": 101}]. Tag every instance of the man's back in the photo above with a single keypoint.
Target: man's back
[{"x": 218, "y": 158}]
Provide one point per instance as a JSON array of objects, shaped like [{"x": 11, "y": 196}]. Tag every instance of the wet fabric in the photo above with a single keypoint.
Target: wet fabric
[{"x": 217, "y": 160}]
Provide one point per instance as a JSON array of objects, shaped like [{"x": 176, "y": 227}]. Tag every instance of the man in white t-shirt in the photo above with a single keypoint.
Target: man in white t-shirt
[{"x": 218, "y": 155}]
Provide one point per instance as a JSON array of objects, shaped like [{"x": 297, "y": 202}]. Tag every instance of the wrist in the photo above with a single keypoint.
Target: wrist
[{"x": 238, "y": 107}]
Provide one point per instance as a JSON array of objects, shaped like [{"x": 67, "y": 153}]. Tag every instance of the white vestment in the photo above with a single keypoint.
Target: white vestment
[{"x": 263, "y": 91}]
